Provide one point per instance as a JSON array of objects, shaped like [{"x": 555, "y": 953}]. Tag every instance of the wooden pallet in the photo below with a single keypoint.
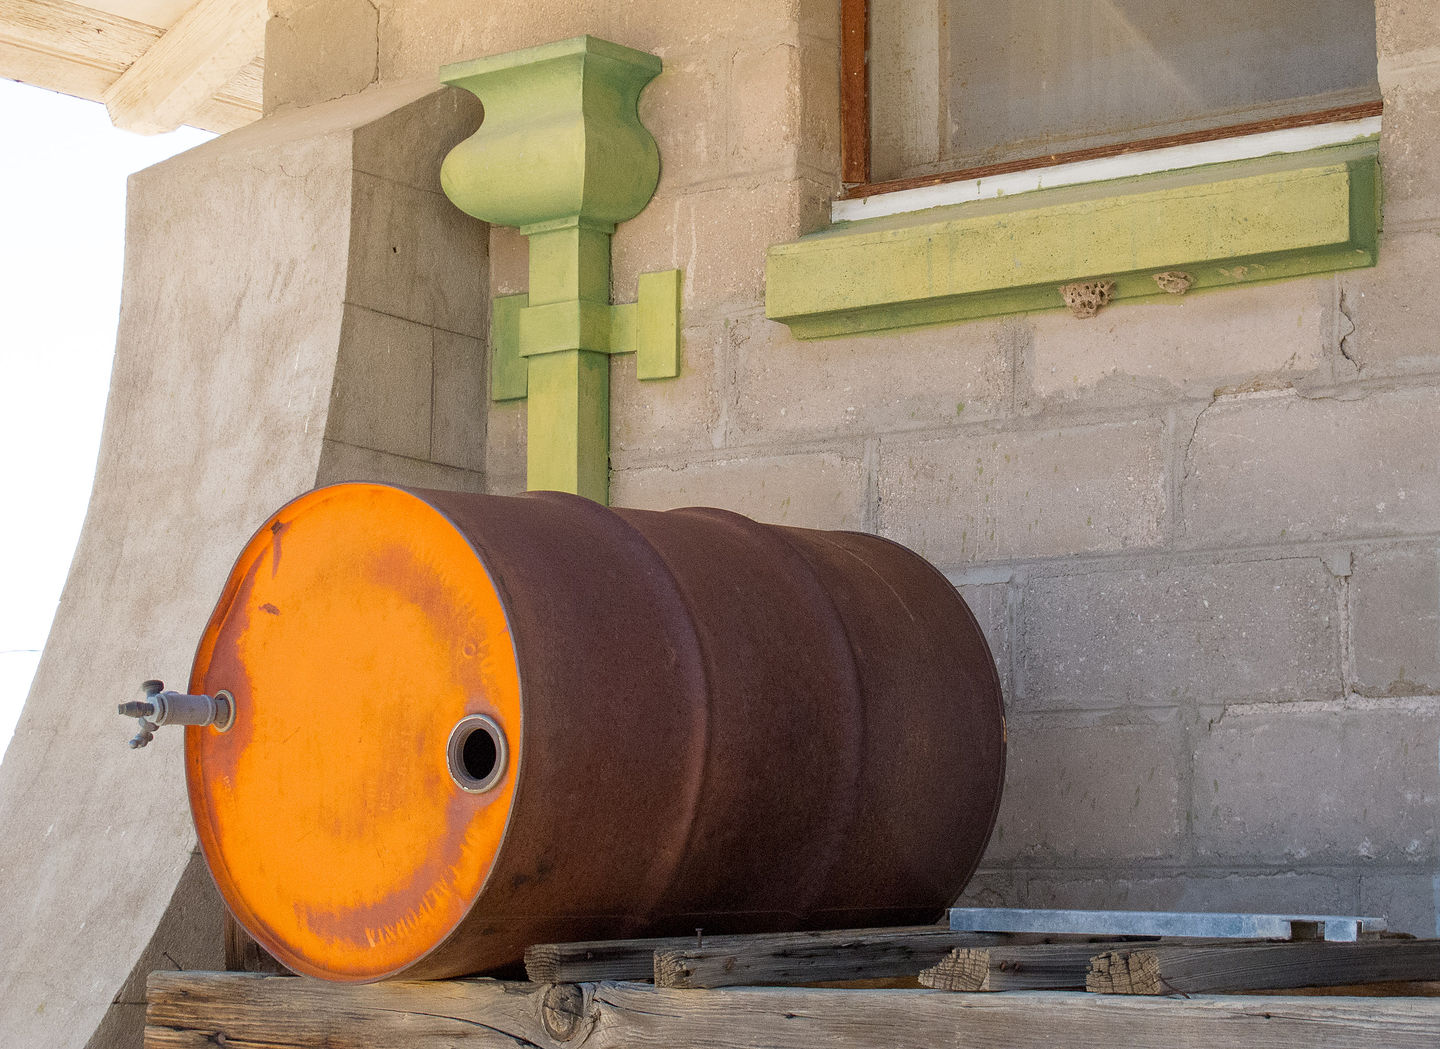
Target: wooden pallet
[
  {"x": 1194, "y": 967},
  {"x": 742, "y": 992},
  {"x": 963, "y": 961},
  {"x": 765, "y": 959}
]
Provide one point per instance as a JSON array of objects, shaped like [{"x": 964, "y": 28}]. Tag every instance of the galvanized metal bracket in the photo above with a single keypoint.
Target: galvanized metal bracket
[
  {"x": 1206, "y": 925},
  {"x": 563, "y": 157}
]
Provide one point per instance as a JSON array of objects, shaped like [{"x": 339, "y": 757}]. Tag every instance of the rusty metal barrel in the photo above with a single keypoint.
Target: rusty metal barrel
[{"x": 464, "y": 724}]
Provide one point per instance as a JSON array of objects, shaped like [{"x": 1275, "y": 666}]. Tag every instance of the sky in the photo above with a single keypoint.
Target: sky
[{"x": 62, "y": 233}]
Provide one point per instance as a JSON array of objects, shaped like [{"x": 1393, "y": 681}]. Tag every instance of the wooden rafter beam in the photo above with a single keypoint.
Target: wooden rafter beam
[
  {"x": 71, "y": 31},
  {"x": 68, "y": 48},
  {"x": 82, "y": 51},
  {"x": 211, "y": 43}
]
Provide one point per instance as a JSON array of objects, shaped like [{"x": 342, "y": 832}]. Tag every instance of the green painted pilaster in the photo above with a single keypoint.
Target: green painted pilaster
[
  {"x": 570, "y": 390},
  {"x": 562, "y": 156},
  {"x": 568, "y": 262}
]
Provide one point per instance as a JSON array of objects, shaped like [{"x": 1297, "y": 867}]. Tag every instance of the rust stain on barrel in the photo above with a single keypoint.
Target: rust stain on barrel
[{"x": 709, "y": 722}]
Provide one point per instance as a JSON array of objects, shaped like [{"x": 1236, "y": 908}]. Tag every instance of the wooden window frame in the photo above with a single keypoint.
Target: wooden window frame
[{"x": 855, "y": 124}]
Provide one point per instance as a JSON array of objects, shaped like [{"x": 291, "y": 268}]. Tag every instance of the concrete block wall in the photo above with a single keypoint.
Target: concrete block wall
[{"x": 1201, "y": 534}]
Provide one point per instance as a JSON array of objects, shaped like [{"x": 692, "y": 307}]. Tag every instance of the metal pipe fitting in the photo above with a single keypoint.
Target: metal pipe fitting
[{"x": 160, "y": 707}]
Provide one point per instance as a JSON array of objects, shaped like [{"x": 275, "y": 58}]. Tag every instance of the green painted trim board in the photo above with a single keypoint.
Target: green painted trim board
[
  {"x": 509, "y": 374},
  {"x": 1223, "y": 224}
]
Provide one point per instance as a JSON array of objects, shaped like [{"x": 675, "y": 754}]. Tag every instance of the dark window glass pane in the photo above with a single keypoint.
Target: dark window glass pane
[{"x": 958, "y": 84}]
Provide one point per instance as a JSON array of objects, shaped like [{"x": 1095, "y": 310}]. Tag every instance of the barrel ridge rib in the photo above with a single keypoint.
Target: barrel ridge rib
[
  {"x": 680, "y": 850},
  {"x": 834, "y": 850},
  {"x": 601, "y": 521},
  {"x": 987, "y": 668},
  {"x": 806, "y": 890}
]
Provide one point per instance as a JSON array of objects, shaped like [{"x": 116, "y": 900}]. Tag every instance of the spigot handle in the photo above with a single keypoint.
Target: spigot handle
[{"x": 144, "y": 736}]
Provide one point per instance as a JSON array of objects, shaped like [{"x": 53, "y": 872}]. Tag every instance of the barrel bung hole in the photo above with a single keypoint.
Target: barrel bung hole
[{"x": 476, "y": 753}]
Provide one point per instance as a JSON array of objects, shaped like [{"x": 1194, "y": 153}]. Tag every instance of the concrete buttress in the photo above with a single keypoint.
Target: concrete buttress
[{"x": 273, "y": 278}]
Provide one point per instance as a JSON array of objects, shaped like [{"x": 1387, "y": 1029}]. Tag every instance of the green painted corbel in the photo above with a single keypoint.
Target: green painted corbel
[{"x": 562, "y": 156}]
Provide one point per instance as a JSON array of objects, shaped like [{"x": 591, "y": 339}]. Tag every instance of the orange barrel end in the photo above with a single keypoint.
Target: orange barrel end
[{"x": 466, "y": 724}]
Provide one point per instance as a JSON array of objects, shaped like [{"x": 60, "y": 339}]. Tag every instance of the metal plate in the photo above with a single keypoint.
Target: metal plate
[{"x": 1216, "y": 926}]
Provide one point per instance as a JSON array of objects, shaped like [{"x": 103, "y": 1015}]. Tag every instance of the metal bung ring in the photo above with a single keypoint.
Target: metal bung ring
[
  {"x": 224, "y": 710},
  {"x": 477, "y": 753}
]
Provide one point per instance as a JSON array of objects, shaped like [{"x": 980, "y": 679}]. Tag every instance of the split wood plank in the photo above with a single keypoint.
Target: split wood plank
[
  {"x": 200, "y": 1011},
  {"x": 1034, "y": 966},
  {"x": 243, "y": 954},
  {"x": 590, "y": 960},
  {"x": 1211, "y": 967},
  {"x": 638, "y": 959},
  {"x": 1024, "y": 967},
  {"x": 791, "y": 959}
]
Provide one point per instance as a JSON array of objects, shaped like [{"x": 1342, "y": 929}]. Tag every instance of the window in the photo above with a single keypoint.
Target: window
[
  {"x": 1038, "y": 154},
  {"x": 956, "y": 88}
]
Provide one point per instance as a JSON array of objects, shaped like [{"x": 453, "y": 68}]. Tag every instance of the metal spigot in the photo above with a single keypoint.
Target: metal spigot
[{"x": 160, "y": 707}]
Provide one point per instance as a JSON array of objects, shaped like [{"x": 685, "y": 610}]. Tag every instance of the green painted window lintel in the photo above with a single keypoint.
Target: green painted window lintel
[{"x": 1243, "y": 222}]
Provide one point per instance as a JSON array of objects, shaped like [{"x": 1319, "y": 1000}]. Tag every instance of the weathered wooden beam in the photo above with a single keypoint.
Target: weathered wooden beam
[
  {"x": 1022, "y": 967},
  {"x": 243, "y": 954},
  {"x": 1209, "y": 968},
  {"x": 234, "y": 105},
  {"x": 66, "y": 47},
  {"x": 810, "y": 957},
  {"x": 74, "y": 32},
  {"x": 591, "y": 960},
  {"x": 81, "y": 51},
  {"x": 637, "y": 959},
  {"x": 194, "y": 1010},
  {"x": 196, "y": 58}
]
